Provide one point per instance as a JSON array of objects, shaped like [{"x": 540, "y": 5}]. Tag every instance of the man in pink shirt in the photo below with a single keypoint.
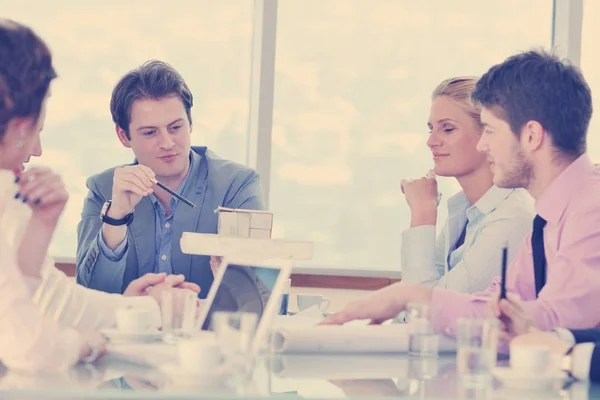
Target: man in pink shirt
[{"x": 536, "y": 111}]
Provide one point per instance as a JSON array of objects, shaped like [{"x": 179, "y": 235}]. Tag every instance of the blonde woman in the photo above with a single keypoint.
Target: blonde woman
[{"x": 482, "y": 218}]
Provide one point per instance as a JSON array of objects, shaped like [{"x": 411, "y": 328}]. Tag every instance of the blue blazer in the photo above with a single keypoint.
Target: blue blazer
[{"x": 213, "y": 182}]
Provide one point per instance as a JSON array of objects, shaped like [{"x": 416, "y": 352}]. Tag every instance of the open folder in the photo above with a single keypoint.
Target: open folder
[{"x": 391, "y": 338}]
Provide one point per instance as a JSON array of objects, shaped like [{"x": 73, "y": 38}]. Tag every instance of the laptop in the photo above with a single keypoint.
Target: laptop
[{"x": 224, "y": 294}]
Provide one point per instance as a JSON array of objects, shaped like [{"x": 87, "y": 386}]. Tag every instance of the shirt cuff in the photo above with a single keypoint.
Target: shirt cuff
[
  {"x": 113, "y": 255},
  {"x": 565, "y": 335},
  {"x": 581, "y": 360}
]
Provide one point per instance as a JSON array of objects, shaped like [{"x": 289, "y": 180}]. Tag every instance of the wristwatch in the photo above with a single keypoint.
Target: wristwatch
[{"x": 126, "y": 220}]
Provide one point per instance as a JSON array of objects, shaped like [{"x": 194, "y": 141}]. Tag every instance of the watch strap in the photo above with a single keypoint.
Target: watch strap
[{"x": 126, "y": 220}]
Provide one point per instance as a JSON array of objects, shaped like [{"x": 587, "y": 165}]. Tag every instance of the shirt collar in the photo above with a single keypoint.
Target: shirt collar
[
  {"x": 173, "y": 202},
  {"x": 458, "y": 202},
  {"x": 554, "y": 200},
  {"x": 492, "y": 198},
  {"x": 485, "y": 205}
]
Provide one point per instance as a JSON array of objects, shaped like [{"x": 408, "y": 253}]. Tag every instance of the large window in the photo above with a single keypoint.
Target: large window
[
  {"x": 95, "y": 43},
  {"x": 590, "y": 65},
  {"x": 352, "y": 95}
]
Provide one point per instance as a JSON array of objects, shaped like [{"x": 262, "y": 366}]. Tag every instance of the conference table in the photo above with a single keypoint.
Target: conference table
[{"x": 312, "y": 376}]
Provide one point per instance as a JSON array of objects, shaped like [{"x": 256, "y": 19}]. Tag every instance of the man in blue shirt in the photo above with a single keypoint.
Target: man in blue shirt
[{"x": 129, "y": 225}]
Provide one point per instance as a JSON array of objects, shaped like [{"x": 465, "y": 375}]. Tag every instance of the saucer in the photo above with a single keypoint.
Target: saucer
[
  {"x": 115, "y": 335},
  {"x": 528, "y": 380}
]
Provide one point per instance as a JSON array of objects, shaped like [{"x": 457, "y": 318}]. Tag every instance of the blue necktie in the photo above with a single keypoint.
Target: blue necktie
[{"x": 539, "y": 256}]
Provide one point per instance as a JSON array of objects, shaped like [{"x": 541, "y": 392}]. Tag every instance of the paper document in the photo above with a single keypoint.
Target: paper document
[
  {"x": 307, "y": 318},
  {"x": 351, "y": 366},
  {"x": 348, "y": 339}
]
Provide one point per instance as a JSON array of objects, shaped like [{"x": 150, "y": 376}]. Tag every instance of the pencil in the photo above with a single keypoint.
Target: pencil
[{"x": 166, "y": 189}]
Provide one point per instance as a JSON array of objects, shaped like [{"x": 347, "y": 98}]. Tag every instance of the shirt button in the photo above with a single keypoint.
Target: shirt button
[
  {"x": 163, "y": 257},
  {"x": 167, "y": 225}
]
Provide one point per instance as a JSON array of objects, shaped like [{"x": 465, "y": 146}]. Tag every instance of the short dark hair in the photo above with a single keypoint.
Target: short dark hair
[
  {"x": 152, "y": 80},
  {"x": 536, "y": 85},
  {"x": 25, "y": 73}
]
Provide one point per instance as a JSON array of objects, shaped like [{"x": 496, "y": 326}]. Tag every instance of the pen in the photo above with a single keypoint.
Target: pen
[
  {"x": 503, "y": 276},
  {"x": 166, "y": 189}
]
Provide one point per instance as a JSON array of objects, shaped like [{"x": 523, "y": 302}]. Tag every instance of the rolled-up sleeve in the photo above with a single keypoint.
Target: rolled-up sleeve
[{"x": 113, "y": 255}]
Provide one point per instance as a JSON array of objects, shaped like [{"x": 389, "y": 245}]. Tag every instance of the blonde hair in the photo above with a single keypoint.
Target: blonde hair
[{"x": 459, "y": 90}]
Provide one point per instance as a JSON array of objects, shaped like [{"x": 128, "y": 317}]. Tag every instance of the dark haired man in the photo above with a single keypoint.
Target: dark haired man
[
  {"x": 130, "y": 226},
  {"x": 536, "y": 110}
]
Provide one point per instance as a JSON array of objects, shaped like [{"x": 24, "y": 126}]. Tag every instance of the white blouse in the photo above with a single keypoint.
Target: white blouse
[
  {"x": 29, "y": 340},
  {"x": 38, "y": 315}
]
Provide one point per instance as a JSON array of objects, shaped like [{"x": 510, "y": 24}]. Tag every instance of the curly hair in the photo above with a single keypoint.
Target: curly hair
[{"x": 25, "y": 73}]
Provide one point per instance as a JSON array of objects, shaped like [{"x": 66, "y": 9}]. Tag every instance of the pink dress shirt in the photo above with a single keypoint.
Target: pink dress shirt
[{"x": 571, "y": 207}]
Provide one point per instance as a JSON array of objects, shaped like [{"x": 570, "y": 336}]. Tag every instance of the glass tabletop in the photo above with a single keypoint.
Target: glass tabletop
[{"x": 276, "y": 376}]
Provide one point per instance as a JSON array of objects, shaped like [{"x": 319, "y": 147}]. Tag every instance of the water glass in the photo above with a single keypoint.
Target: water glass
[
  {"x": 179, "y": 314},
  {"x": 477, "y": 349},
  {"x": 235, "y": 333},
  {"x": 422, "y": 340},
  {"x": 422, "y": 368}
]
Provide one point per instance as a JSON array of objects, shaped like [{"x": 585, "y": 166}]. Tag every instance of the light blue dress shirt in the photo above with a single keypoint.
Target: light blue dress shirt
[
  {"x": 164, "y": 227},
  {"x": 501, "y": 217}
]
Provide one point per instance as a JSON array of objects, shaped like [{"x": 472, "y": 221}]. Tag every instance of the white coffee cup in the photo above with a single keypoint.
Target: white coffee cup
[
  {"x": 200, "y": 353},
  {"x": 530, "y": 358},
  {"x": 306, "y": 301},
  {"x": 132, "y": 320}
]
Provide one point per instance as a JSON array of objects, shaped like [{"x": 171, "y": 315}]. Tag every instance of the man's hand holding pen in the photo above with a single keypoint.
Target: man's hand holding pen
[
  {"x": 515, "y": 320},
  {"x": 130, "y": 184}
]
